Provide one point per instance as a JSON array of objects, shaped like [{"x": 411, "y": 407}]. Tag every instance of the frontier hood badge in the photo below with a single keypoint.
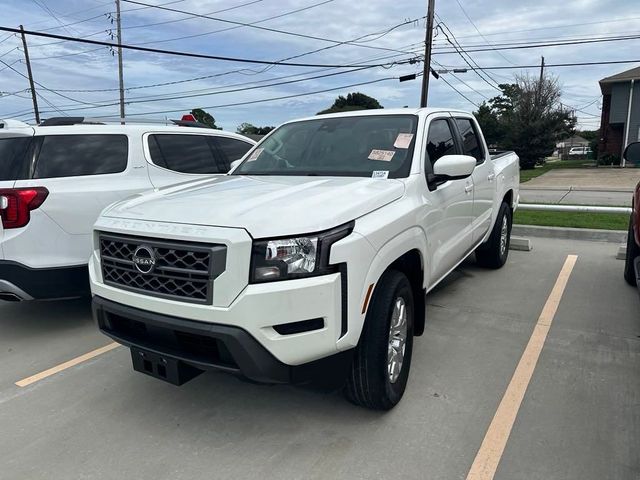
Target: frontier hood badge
[{"x": 144, "y": 259}]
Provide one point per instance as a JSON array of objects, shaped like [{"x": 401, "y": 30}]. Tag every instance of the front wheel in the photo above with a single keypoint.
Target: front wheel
[
  {"x": 494, "y": 252},
  {"x": 380, "y": 368}
]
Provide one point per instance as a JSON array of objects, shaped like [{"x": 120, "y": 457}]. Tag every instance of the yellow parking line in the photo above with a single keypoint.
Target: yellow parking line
[
  {"x": 488, "y": 457},
  {"x": 63, "y": 366}
]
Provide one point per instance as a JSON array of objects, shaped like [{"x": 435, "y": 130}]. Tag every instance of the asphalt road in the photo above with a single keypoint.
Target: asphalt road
[
  {"x": 567, "y": 196},
  {"x": 579, "y": 419}
]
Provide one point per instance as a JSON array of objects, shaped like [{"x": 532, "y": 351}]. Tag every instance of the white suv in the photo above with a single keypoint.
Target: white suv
[
  {"x": 56, "y": 178},
  {"x": 578, "y": 151}
]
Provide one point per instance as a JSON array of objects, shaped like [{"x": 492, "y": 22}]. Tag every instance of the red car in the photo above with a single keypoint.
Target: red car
[{"x": 632, "y": 260}]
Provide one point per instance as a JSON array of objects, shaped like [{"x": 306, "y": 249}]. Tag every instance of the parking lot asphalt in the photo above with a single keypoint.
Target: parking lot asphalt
[{"x": 579, "y": 419}]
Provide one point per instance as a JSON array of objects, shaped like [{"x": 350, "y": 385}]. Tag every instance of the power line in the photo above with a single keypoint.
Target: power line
[
  {"x": 551, "y": 44},
  {"x": 94, "y": 17},
  {"x": 470, "y": 61},
  {"x": 235, "y": 90},
  {"x": 547, "y": 65},
  {"x": 9, "y": 51},
  {"x": 377, "y": 35},
  {"x": 221, "y": 92},
  {"x": 250, "y": 24},
  {"x": 188, "y": 18},
  {"x": 463, "y": 82},
  {"x": 6, "y": 38},
  {"x": 74, "y": 23},
  {"x": 10, "y": 65},
  {"x": 285, "y": 97},
  {"x": 64, "y": 55},
  {"x": 459, "y": 92},
  {"x": 105, "y": 14},
  {"x": 545, "y": 41},
  {"x": 216, "y": 75},
  {"x": 264, "y": 100},
  {"x": 43, "y": 87},
  {"x": 173, "y": 52},
  {"x": 53, "y": 15},
  {"x": 479, "y": 32},
  {"x": 244, "y": 24},
  {"x": 553, "y": 27}
]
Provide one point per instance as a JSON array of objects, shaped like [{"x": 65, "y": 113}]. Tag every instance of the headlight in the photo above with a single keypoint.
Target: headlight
[{"x": 295, "y": 257}]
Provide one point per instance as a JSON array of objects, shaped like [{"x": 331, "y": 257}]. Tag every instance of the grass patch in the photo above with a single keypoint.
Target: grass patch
[
  {"x": 526, "y": 175},
  {"x": 600, "y": 221}
]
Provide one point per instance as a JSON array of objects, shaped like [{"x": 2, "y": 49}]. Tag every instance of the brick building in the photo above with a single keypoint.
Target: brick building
[{"x": 620, "y": 120}]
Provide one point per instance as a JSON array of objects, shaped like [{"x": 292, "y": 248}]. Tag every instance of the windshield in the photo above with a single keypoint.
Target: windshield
[{"x": 360, "y": 146}]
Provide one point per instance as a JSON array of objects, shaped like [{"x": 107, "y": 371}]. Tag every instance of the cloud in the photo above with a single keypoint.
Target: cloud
[{"x": 63, "y": 66}]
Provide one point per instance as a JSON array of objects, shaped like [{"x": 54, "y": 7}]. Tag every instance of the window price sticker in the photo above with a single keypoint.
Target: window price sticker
[
  {"x": 254, "y": 156},
  {"x": 382, "y": 155},
  {"x": 380, "y": 174},
  {"x": 403, "y": 140}
]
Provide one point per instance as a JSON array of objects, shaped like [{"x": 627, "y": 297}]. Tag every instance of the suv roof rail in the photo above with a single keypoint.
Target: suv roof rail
[
  {"x": 58, "y": 121},
  {"x": 188, "y": 123},
  {"x": 61, "y": 121},
  {"x": 8, "y": 123}
]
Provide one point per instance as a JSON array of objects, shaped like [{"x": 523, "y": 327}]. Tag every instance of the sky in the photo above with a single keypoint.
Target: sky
[{"x": 82, "y": 80}]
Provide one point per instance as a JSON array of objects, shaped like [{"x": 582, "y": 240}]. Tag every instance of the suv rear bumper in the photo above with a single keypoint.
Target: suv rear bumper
[
  {"x": 20, "y": 282},
  {"x": 206, "y": 346}
]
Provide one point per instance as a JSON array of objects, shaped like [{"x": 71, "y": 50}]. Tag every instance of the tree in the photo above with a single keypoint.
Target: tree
[
  {"x": 204, "y": 117},
  {"x": 527, "y": 118},
  {"x": 491, "y": 128},
  {"x": 353, "y": 101},
  {"x": 248, "y": 129}
]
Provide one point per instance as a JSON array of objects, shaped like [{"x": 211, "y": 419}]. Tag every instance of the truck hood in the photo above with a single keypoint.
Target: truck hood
[{"x": 264, "y": 206}]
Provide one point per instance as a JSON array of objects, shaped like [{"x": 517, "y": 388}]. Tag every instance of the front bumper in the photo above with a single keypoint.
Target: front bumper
[
  {"x": 20, "y": 282},
  {"x": 205, "y": 346},
  {"x": 262, "y": 310}
]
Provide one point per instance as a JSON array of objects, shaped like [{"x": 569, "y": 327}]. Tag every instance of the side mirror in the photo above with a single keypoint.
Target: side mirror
[
  {"x": 235, "y": 163},
  {"x": 632, "y": 153},
  {"x": 453, "y": 167}
]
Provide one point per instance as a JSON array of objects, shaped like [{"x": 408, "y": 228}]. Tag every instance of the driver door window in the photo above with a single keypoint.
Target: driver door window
[{"x": 439, "y": 141}]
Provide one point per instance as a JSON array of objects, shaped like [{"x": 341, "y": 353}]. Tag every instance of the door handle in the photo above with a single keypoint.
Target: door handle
[
  {"x": 491, "y": 177},
  {"x": 468, "y": 188}
]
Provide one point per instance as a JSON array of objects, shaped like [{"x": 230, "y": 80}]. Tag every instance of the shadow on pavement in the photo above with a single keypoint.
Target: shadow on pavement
[{"x": 36, "y": 318}]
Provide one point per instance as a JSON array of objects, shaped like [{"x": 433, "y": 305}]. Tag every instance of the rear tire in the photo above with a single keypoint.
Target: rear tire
[
  {"x": 633, "y": 251},
  {"x": 494, "y": 252},
  {"x": 381, "y": 364}
]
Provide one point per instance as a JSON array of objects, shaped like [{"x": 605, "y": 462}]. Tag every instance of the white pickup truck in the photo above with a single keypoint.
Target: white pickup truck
[{"x": 311, "y": 258}]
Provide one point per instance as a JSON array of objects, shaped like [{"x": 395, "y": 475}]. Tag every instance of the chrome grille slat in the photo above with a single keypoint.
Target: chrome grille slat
[{"x": 183, "y": 271}]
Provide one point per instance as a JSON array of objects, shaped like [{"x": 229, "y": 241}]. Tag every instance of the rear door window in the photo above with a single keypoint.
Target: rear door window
[
  {"x": 13, "y": 158},
  {"x": 184, "y": 153},
  {"x": 80, "y": 155},
  {"x": 471, "y": 144}
]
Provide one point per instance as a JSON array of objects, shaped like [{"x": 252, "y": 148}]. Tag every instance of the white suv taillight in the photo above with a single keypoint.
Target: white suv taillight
[{"x": 17, "y": 203}]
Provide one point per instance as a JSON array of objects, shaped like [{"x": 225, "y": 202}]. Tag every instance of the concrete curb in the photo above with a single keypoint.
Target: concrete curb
[
  {"x": 586, "y": 234},
  {"x": 524, "y": 186}
]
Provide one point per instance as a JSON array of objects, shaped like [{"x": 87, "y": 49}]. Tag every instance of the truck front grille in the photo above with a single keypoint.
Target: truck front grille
[{"x": 170, "y": 269}]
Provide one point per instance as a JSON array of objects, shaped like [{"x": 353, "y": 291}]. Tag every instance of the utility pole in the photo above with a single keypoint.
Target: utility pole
[
  {"x": 541, "y": 71},
  {"x": 120, "y": 77},
  {"x": 428, "y": 41},
  {"x": 33, "y": 88}
]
